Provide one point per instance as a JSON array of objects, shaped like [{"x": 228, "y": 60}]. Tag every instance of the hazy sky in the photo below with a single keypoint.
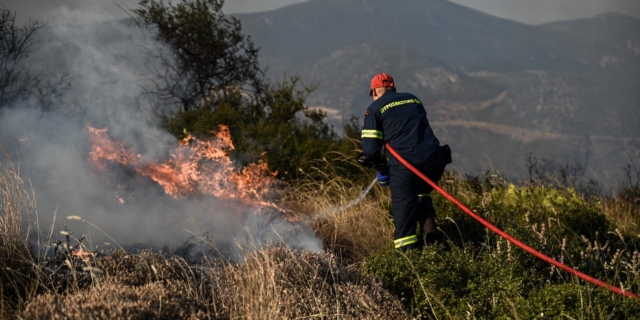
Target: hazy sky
[
  {"x": 540, "y": 11},
  {"x": 528, "y": 11}
]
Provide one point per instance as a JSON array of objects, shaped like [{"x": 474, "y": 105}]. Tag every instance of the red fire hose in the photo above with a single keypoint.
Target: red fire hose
[{"x": 508, "y": 237}]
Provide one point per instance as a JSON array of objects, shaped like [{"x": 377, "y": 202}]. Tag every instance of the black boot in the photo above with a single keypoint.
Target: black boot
[{"x": 430, "y": 233}]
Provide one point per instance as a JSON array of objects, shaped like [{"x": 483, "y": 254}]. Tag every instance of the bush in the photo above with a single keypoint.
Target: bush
[
  {"x": 279, "y": 129},
  {"x": 484, "y": 276},
  {"x": 204, "y": 51}
]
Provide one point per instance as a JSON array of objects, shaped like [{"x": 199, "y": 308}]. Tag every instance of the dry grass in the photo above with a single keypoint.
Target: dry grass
[
  {"x": 113, "y": 301},
  {"x": 625, "y": 213},
  {"x": 123, "y": 286},
  {"x": 625, "y": 207},
  {"x": 357, "y": 232},
  {"x": 354, "y": 233},
  {"x": 273, "y": 283},
  {"x": 278, "y": 283},
  {"x": 17, "y": 281}
]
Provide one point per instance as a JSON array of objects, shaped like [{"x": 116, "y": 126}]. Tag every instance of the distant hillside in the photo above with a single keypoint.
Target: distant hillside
[
  {"x": 345, "y": 73},
  {"x": 610, "y": 40},
  {"x": 454, "y": 34},
  {"x": 494, "y": 88}
]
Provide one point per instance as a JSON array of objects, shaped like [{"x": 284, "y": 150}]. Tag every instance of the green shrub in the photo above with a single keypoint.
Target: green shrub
[
  {"x": 485, "y": 277},
  {"x": 278, "y": 128},
  {"x": 578, "y": 302}
]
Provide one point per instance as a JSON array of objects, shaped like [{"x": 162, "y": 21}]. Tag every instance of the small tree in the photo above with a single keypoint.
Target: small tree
[
  {"x": 15, "y": 43},
  {"x": 17, "y": 83},
  {"x": 208, "y": 52},
  {"x": 211, "y": 69}
]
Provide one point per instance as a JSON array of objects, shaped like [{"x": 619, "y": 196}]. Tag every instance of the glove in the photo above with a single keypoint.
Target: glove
[
  {"x": 383, "y": 179},
  {"x": 379, "y": 163}
]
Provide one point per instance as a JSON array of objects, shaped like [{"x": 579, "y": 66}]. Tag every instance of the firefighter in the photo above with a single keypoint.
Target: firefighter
[{"x": 401, "y": 120}]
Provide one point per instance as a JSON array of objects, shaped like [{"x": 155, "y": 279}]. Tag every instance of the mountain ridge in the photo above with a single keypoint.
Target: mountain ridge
[
  {"x": 443, "y": 30},
  {"x": 561, "y": 85}
]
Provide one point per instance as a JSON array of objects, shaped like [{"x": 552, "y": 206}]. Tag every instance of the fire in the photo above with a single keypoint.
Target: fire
[
  {"x": 82, "y": 255},
  {"x": 105, "y": 150},
  {"x": 195, "y": 167}
]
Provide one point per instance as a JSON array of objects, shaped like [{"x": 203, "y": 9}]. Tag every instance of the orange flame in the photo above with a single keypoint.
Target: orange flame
[
  {"x": 82, "y": 255},
  {"x": 104, "y": 150},
  {"x": 195, "y": 166}
]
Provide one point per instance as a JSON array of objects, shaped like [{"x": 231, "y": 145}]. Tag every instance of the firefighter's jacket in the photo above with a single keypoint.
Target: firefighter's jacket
[{"x": 401, "y": 120}]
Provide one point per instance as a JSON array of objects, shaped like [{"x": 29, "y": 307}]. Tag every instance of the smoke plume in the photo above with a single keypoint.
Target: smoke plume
[{"x": 108, "y": 89}]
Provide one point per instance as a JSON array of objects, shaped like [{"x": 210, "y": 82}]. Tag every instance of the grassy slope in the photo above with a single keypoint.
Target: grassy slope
[{"x": 481, "y": 276}]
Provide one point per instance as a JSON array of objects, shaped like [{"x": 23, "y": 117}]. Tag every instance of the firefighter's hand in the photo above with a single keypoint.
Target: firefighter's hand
[{"x": 383, "y": 179}]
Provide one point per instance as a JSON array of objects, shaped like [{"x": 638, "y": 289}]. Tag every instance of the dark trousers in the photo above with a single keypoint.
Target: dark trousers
[{"x": 411, "y": 199}]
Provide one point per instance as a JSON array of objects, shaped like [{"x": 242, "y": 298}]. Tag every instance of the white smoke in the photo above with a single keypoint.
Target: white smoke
[{"x": 108, "y": 90}]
